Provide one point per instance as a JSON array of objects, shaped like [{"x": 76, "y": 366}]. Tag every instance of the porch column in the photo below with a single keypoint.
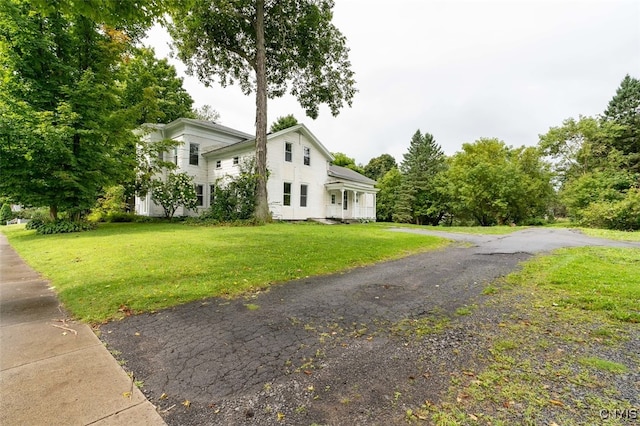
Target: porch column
[{"x": 375, "y": 210}]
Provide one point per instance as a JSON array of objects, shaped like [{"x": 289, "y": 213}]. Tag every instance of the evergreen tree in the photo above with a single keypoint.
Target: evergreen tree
[
  {"x": 624, "y": 109},
  {"x": 417, "y": 199}
]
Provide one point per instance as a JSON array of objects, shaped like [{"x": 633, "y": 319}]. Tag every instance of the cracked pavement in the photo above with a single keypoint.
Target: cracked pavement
[{"x": 325, "y": 349}]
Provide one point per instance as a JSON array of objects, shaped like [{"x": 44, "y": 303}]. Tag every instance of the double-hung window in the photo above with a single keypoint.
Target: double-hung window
[
  {"x": 307, "y": 156},
  {"x": 200, "y": 195},
  {"x": 345, "y": 200},
  {"x": 303, "y": 195},
  {"x": 288, "y": 151},
  {"x": 194, "y": 149},
  {"x": 236, "y": 161},
  {"x": 218, "y": 164},
  {"x": 286, "y": 194}
]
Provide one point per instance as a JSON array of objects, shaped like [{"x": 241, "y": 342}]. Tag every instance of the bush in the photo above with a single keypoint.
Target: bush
[
  {"x": 62, "y": 226},
  {"x": 234, "y": 198},
  {"x": 111, "y": 205},
  {"x": 623, "y": 215},
  {"x": 5, "y": 214},
  {"x": 120, "y": 217}
]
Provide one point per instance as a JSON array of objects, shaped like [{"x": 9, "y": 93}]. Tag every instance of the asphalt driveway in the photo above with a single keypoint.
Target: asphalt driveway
[{"x": 323, "y": 350}]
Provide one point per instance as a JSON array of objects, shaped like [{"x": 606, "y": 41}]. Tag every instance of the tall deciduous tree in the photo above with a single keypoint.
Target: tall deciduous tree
[
  {"x": 387, "y": 197},
  {"x": 63, "y": 133},
  {"x": 492, "y": 183},
  {"x": 152, "y": 92},
  {"x": 377, "y": 167},
  {"x": 269, "y": 47},
  {"x": 417, "y": 200},
  {"x": 60, "y": 130}
]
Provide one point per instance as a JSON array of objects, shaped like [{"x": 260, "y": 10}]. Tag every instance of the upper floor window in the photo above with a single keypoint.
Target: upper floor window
[
  {"x": 288, "y": 151},
  {"x": 218, "y": 164},
  {"x": 200, "y": 195},
  {"x": 307, "y": 156},
  {"x": 303, "y": 195},
  {"x": 175, "y": 156},
  {"x": 194, "y": 149},
  {"x": 286, "y": 197},
  {"x": 236, "y": 161}
]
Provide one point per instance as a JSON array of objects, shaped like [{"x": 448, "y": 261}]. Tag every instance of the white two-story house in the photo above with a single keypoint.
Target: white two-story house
[{"x": 302, "y": 182}]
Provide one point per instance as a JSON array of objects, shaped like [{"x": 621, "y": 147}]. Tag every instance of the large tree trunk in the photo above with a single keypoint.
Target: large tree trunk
[{"x": 262, "y": 205}]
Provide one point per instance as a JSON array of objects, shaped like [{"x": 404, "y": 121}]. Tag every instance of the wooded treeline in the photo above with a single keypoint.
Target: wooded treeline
[{"x": 586, "y": 169}]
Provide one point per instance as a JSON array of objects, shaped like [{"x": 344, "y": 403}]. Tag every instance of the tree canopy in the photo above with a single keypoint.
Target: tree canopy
[
  {"x": 343, "y": 160},
  {"x": 282, "y": 123},
  {"x": 60, "y": 125},
  {"x": 270, "y": 48},
  {"x": 73, "y": 88},
  {"x": 491, "y": 183},
  {"x": 152, "y": 92},
  {"x": 377, "y": 167}
]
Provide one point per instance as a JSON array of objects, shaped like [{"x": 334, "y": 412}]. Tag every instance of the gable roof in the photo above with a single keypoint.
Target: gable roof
[
  {"x": 208, "y": 125},
  {"x": 299, "y": 128},
  {"x": 348, "y": 174}
]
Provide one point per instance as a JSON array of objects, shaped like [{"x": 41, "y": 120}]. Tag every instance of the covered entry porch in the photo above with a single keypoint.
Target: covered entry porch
[{"x": 347, "y": 202}]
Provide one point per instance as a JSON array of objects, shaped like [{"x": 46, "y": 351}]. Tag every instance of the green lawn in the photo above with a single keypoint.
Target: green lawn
[{"x": 145, "y": 267}]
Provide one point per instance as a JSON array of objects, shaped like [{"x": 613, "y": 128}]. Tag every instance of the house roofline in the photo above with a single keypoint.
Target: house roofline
[
  {"x": 299, "y": 128},
  {"x": 163, "y": 128}
]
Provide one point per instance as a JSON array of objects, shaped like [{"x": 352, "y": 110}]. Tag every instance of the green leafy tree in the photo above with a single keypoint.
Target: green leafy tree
[
  {"x": 152, "y": 91},
  {"x": 580, "y": 146},
  {"x": 283, "y": 122},
  {"x": 177, "y": 190},
  {"x": 492, "y": 183},
  {"x": 343, "y": 160},
  {"x": 270, "y": 48},
  {"x": 60, "y": 128},
  {"x": 379, "y": 166},
  {"x": 387, "y": 197},
  {"x": 417, "y": 199}
]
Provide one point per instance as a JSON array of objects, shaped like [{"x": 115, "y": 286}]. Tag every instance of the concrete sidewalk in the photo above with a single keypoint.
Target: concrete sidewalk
[{"x": 54, "y": 370}]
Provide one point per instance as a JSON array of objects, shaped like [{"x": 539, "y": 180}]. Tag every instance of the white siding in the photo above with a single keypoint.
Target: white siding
[{"x": 297, "y": 173}]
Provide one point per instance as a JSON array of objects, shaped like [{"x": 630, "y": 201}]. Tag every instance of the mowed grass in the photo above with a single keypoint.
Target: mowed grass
[
  {"x": 121, "y": 268},
  {"x": 589, "y": 278}
]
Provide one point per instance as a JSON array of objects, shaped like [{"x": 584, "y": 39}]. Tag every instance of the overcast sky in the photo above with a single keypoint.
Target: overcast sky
[{"x": 460, "y": 70}]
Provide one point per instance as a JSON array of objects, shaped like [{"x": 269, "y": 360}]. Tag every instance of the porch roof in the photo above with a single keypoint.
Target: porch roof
[{"x": 341, "y": 178}]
